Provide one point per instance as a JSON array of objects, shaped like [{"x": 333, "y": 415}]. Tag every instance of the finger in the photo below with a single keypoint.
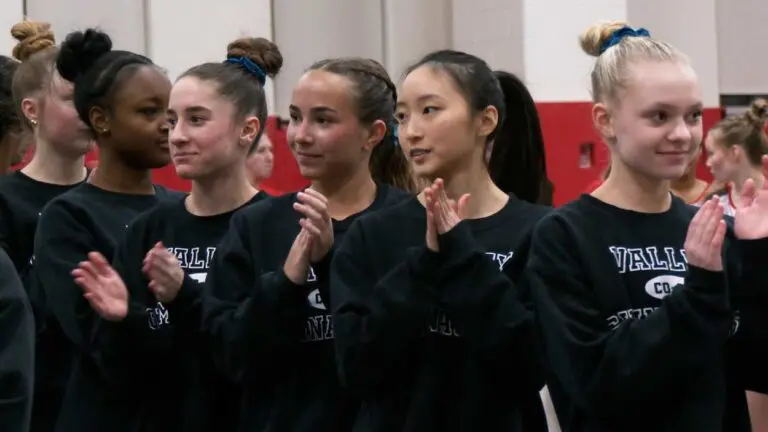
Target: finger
[
  {"x": 310, "y": 227},
  {"x": 694, "y": 228},
  {"x": 718, "y": 237},
  {"x": 710, "y": 224},
  {"x": 313, "y": 201},
  {"x": 308, "y": 211},
  {"x": 100, "y": 263},
  {"x": 89, "y": 269},
  {"x": 317, "y": 195}
]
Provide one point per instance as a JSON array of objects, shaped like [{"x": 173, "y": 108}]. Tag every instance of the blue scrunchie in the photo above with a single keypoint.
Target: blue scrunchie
[
  {"x": 250, "y": 67},
  {"x": 621, "y": 33}
]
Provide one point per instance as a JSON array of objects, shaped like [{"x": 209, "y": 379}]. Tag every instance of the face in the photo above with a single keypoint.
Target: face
[
  {"x": 58, "y": 122},
  {"x": 655, "y": 127},
  {"x": 204, "y": 139},
  {"x": 137, "y": 126},
  {"x": 260, "y": 162},
  {"x": 325, "y": 134},
  {"x": 724, "y": 163},
  {"x": 437, "y": 131}
]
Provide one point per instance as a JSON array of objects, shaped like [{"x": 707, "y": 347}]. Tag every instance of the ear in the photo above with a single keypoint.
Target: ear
[
  {"x": 100, "y": 120},
  {"x": 601, "y": 118},
  {"x": 29, "y": 109},
  {"x": 250, "y": 131},
  {"x": 736, "y": 152},
  {"x": 487, "y": 121},
  {"x": 375, "y": 134}
]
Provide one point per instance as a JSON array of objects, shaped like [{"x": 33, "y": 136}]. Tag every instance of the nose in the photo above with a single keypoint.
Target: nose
[
  {"x": 681, "y": 131},
  {"x": 177, "y": 135},
  {"x": 298, "y": 134},
  {"x": 410, "y": 132}
]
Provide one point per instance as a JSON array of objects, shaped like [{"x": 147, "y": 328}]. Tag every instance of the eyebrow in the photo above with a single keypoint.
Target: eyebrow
[
  {"x": 423, "y": 98},
  {"x": 316, "y": 110},
  {"x": 197, "y": 109},
  {"x": 666, "y": 106}
]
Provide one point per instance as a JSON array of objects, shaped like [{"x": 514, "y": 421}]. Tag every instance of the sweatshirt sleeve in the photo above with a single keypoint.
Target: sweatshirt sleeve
[
  {"x": 17, "y": 348},
  {"x": 659, "y": 355},
  {"x": 62, "y": 241},
  {"x": 376, "y": 317},
  {"x": 251, "y": 317},
  {"x": 496, "y": 314},
  {"x": 120, "y": 347},
  {"x": 747, "y": 353}
]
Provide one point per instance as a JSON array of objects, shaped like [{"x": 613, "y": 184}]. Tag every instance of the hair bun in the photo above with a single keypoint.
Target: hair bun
[
  {"x": 79, "y": 52},
  {"x": 261, "y": 51},
  {"x": 593, "y": 39},
  {"x": 757, "y": 114},
  {"x": 33, "y": 37}
]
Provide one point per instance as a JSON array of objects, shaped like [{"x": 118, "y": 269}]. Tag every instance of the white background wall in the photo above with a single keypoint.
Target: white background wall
[{"x": 518, "y": 35}]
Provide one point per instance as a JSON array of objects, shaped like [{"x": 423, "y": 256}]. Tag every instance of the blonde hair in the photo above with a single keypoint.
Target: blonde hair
[
  {"x": 746, "y": 130},
  {"x": 37, "y": 51},
  {"x": 610, "y": 72}
]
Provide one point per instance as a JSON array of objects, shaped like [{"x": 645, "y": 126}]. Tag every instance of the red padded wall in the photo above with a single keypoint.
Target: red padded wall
[{"x": 568, "y": 125}]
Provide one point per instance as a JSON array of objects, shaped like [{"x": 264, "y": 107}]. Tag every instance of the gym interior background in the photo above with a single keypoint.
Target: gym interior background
[{"x": 536, "y": 39}]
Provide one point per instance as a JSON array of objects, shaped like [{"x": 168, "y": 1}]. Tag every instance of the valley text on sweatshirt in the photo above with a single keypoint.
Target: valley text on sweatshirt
[
  {"x": 271, "y": 335},
  {"x": 17, "y": 349},
  {"x": 635, "y": 338},
  {"x": 83, "y": 220},
  {"x": 192, "y": 396},
  {"x": 438, "y": 341}
]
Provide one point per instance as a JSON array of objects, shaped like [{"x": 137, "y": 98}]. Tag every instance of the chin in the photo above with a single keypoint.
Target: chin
[
  {"x": 186, "y": 173},
  {"x": 159, "y": 162}
]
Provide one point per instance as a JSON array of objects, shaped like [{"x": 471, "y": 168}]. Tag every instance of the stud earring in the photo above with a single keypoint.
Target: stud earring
[{"x": 34, "y": 122}]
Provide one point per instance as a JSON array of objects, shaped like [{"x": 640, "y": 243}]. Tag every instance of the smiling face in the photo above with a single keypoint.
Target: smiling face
[
  {"x": 437, "y": 130},
  {"x": 654, "y": 127},
  {"x": 205, "y": 136},
  {"x": 325, "y": 134}
]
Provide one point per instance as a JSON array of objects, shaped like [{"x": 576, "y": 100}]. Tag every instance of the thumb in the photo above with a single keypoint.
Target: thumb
[
  {"x": 748, "y": 193},
  {"x": 462, "y": 206}
]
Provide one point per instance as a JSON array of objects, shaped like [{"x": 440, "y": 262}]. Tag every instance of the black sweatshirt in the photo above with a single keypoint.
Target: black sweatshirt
[
  {"x": 22, "y": 198},
  {"x": 273, "y": 336},
  {"x": 17, "y": 351},
  {"x": 438, "y": 341},
  {"x": 636, "y": 339},
  {"x": 83, "y": 220},
  {"x": 192, "y": 397}
]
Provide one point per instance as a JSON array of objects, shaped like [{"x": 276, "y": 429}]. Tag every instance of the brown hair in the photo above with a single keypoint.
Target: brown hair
[
  {"x": 375, "y": 98},
  {"x": 610, "y": 71},
  {"x": 746, "y": 130},
  {"x": 240, "y": 85},
  {"x": 37, "y": 51}
]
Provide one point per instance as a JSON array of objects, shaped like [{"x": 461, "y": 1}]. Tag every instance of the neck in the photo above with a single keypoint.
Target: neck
[
  {"x": 631, "y": 191},
  {"x": 485, "y": 199},
  {"x": 220, "y": 194},
  {"x": 752, "y": 173},
  {"x": 115, "y": 175},
  {"x": 686, "y": 182},
  {"x": 49, "y": 166},
  {"x": 348, "y": 195}
]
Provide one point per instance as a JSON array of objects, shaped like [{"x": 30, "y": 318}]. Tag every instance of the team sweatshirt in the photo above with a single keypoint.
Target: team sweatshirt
[
  {"x": 17, "y": 349},
  {"x": 438, "y": 341},
  {"x": 636, "y": 339},
  {"x": 83, "y": 220},
  {"x": 271, "y": 335},
  {"x": 187, "y": 394}
]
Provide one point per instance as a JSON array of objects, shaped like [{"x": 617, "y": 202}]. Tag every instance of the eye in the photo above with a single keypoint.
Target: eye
[
  {"x": 294, "y": 118},
  {"x": 695, "y": 117},
  {"x": 150, "y": 112},
  {"x": 429, "y": 110},
  {"x": 196, "y": 120},
  {"x": 399, "y": 117},
  {"x": 171, "y": 122}
]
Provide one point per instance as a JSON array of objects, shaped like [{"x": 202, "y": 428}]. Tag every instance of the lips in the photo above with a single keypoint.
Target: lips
[{"x": 417, "y": 152}]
